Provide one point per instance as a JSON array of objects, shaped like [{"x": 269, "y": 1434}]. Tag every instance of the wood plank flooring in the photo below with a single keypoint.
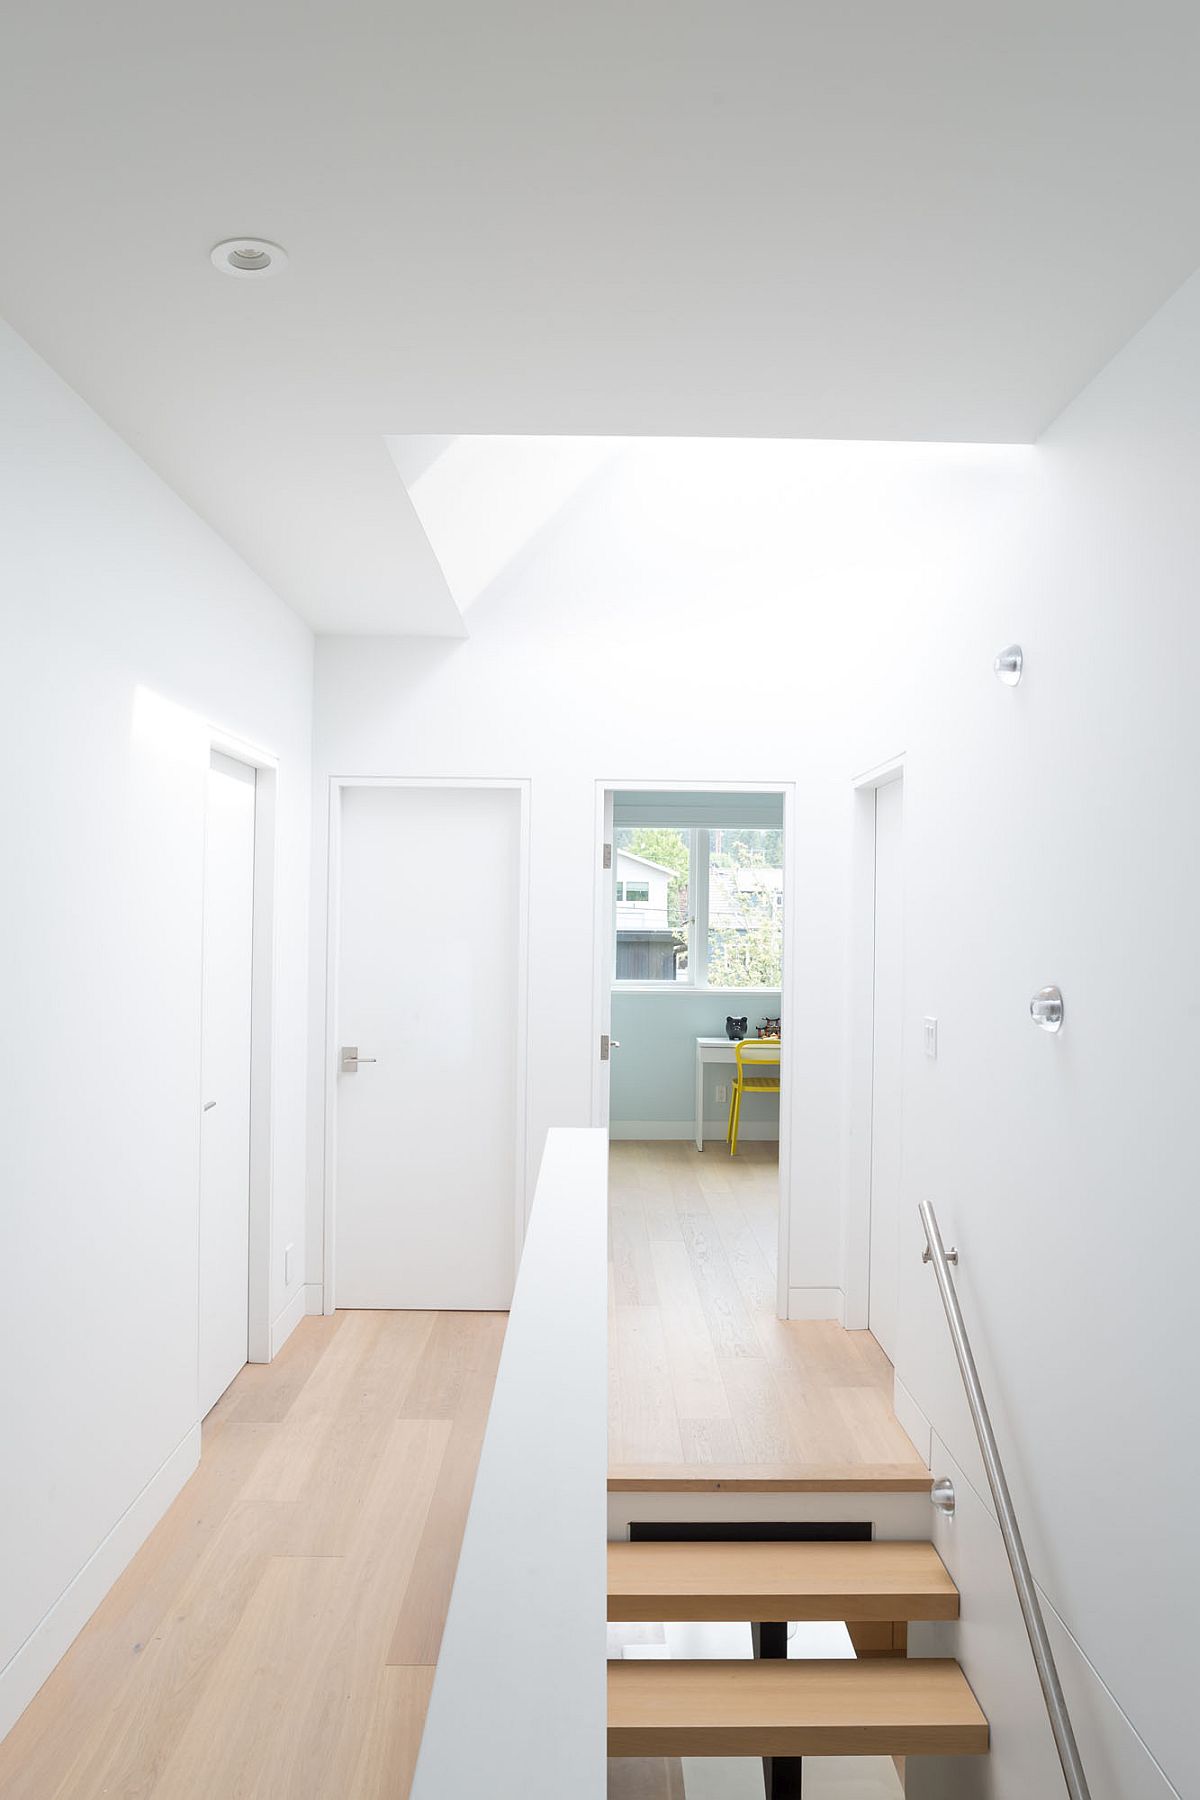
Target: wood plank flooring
[
  {"x": 274, "y": 1638},
  {"x": 705, "y": 1380}
]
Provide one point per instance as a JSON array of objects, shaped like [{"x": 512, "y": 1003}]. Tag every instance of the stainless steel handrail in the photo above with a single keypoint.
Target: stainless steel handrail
[{"x": 1056, "y": 1705}]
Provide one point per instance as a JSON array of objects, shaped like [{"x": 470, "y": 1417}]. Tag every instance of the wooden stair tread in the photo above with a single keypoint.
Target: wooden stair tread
[
  {"x": 769, "y": 1478},
  {"x": 891, "y": 1707},
  {"x": 772, "y": 1581}
]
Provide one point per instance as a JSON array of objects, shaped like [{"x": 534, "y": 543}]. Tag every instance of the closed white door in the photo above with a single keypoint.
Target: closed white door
[
  {"x": 427, "y": 991},
  {"x": 225, "y": 1079},
  {"x": 887, "y": 1072}
]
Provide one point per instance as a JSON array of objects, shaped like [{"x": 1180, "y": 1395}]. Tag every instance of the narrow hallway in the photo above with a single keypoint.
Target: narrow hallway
[{"x": 277, "y": 1633}]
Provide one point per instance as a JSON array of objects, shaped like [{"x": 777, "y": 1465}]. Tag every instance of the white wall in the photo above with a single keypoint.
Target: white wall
[
  {"x": 538, "y": 1592},
  {"x": 128, "y": 628},
  {"x": 1050, "y": 836}
]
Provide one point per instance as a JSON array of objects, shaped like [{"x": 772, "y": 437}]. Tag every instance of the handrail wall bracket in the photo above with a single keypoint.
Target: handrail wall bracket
[{"x": 1031, "y": 1610}]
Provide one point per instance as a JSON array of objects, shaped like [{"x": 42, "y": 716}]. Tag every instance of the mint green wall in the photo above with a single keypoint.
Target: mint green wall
[{"x": 654, "y": 1071}]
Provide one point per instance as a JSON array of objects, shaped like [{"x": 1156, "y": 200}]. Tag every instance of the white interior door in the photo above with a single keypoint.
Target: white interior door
[
  {"x": 887, "y": 1066},
  {"x": 225, "y": 1060},
  {"x": 427, "y": 990}
]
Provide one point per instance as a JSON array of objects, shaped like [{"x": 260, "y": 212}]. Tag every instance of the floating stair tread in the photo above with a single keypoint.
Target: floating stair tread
[
  {"x": 890, "y": 1707},
  {"x": 772, "y": 1581},
  {"x": 769, "y": 1478}
]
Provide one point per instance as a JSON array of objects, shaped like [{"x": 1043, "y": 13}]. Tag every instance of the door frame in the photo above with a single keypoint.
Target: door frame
[
  {"x": 263, "y": 978},
  {"x": 602, "y": 972},
  {"x": 603, "y": 925},
  {"x": 857, "y": 1230},
  {"x": 338, "y": 784}
]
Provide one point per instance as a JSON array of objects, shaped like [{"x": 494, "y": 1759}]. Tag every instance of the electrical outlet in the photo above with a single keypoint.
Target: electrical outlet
[
  {"x": 287, "y": 1264},
  {"x": 722, "y": 1095},
  {"x": 931, "y": 1037}
]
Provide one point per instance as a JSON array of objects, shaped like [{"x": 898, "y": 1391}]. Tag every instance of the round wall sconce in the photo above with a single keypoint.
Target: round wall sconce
[
  {"x": 1046, "y": 1008},
  {"x": 1009, "y": 665}
]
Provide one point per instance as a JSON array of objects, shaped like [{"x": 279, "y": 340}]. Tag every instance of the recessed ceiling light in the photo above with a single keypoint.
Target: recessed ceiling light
[{"x": 248, "y": 256}]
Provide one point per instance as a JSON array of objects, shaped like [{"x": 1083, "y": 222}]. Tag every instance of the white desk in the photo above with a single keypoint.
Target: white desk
[{"x": 710, "y": 1050}]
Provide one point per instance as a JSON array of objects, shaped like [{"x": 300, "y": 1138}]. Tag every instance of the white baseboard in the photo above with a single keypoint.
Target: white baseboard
[
  {"x": 912, "y": 1419},
  {"x": 314, "y": 1299},
  {"x": 49, "y": 1641},
  {"x": 648, "y": 1131},
  {"x": 295, "y": 1310},
  {"x": 816, "y": 1303}
]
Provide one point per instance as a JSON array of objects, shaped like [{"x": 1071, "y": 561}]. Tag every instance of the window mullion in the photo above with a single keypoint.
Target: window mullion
[{"x": 698, "y": 946}]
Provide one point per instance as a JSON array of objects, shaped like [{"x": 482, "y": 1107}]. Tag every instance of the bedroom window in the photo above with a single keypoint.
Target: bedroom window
[{"x": 699, "y": 906}]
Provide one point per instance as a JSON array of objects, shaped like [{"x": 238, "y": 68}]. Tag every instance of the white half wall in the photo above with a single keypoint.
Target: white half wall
[
  {"x": 531, "y": 1572},
  {"x": 129, "y": 629}
]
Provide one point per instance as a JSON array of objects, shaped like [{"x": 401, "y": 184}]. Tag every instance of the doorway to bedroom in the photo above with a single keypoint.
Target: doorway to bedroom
[{"x": 693, "y": 1084}]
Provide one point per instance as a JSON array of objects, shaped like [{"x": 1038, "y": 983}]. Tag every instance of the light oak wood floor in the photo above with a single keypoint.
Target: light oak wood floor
[
  {"x": 275, "y": 1637},
  {"x": 703, "y": 1373}
]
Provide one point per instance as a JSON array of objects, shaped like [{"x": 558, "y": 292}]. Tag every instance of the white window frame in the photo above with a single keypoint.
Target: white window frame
[{"x": 698, "y": 911}]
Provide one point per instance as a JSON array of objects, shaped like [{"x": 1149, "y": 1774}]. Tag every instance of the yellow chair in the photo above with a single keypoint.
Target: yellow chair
[{"x": 751, "y": 1053}]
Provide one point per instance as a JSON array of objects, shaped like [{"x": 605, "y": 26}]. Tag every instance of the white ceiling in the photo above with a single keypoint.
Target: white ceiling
[
  {"x": 482, "y": 501},
  {"x": 781, "y": 218}
]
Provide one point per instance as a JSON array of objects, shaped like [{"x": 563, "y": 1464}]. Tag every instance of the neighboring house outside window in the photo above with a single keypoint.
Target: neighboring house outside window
[{"x": 647, "y": 944}]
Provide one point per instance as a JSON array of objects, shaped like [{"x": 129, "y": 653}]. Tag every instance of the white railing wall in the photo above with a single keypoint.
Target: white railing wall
[{"x": 518, "y": 1704}]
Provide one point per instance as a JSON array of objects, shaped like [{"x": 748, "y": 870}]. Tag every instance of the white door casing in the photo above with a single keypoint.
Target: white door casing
[
  {"x": 603, "y": 962},
  {"x": 887, "y": 1064},
  {"x": 428, "y": 966},
  {"x": 225, "y": 1076}
]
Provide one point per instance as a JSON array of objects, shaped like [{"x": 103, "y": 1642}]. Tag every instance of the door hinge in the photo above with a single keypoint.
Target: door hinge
[
  {"x": 604, "y": 1046},
  {"x": 608, "y": 856}
]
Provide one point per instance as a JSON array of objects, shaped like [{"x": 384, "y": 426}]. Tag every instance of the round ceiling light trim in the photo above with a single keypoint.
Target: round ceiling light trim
[{"x": 248, "y": 258}]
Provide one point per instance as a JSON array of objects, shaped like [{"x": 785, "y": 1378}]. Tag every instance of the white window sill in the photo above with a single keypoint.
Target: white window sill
[{"x": 685, "y": 987}]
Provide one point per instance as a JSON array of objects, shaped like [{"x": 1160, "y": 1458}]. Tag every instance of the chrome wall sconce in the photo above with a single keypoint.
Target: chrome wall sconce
[
  {"x": 1046, "y": 1008},
  {"x": 1010, "y": 665}
]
